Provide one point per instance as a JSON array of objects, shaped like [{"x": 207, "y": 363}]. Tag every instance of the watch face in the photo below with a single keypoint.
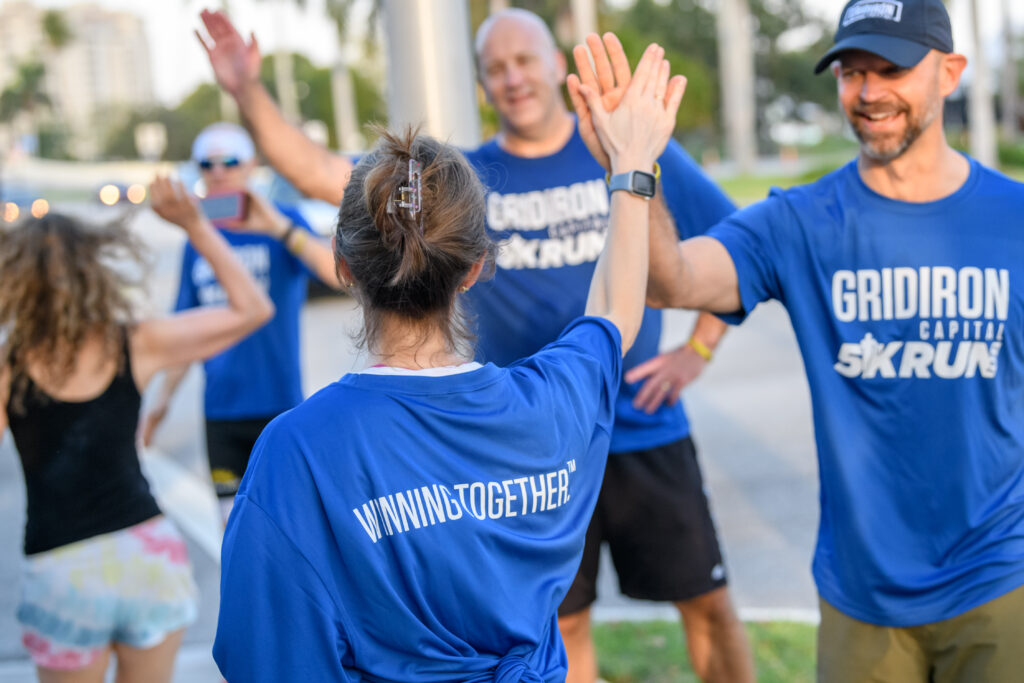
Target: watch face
[{"x": 644, "y": 184}]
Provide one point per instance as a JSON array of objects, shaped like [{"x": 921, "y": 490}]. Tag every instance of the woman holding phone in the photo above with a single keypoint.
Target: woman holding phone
[
  {"x": 250, "y": 383},
  {"x": 422, "y": 519},
  {"x": 104, "y": 571}
]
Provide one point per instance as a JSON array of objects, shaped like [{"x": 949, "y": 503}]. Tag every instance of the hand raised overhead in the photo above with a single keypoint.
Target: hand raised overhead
[
  {"x": 235, "y": 63},
  {"x": 610, "y": 81},
  {"x": 636, "y": 130}
]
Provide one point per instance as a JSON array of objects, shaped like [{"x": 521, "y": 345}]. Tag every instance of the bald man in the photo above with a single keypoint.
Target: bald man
[{"x": 548, "y": 205}]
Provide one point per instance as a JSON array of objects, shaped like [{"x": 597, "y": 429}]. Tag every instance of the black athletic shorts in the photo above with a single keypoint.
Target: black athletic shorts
[
  {"x": 654, "y": 515},
  {"x": 228, "y": 445}
]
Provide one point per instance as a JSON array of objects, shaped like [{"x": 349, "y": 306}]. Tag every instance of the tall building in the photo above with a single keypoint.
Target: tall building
[{"x": 103, "y": 70}]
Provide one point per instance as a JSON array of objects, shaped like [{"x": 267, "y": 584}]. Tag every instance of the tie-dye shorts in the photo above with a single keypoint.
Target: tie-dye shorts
[{"x": 132, "y": 586}]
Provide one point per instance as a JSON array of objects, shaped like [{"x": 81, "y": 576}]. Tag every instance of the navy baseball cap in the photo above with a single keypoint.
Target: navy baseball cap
[{"x": 900, "y": 31}]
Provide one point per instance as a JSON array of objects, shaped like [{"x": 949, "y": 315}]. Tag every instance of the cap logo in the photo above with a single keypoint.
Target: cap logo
[{"x": 889, "y": 10}]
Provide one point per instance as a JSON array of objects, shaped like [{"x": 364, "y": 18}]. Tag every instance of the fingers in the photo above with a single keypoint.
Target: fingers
[
  {"x": 202, "y": 41},
  {"x": 578, "y": 103},
  {"x": 650, "y": 72},
  {"x": 645, "y": 70},
  {"x": 653, "y": 394},
  {"x": 158, "y": 190},
  {"x": 581, "y": 56},
  {"x": 676, "y": 89},
  {"x": 643, "y": 370},
  {"x": 603, "y": 67},
  {"x": 593, "y": 102},
  {"x": 620, "y": 65},
  {"x": 661, "y": 81}
]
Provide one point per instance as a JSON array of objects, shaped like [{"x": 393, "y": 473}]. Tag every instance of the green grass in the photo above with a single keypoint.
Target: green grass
[{"x": 655, "y": 652}]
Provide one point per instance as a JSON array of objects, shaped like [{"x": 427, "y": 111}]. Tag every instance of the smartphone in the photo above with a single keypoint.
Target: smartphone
[{"x": 230, "y": 206}]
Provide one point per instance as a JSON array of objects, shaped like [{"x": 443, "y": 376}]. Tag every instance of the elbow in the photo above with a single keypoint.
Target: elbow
[
  {"x": 658, "y": 297},
  {"x": 655, "y": 300},
  {"x": 263, "y": 312}
]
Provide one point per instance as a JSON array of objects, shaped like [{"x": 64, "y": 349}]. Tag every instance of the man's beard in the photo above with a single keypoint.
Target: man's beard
[{"x": 877, "y": 148}]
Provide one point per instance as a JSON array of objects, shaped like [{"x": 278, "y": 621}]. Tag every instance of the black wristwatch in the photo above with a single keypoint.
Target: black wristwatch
[{"x": 640, "y": 183}]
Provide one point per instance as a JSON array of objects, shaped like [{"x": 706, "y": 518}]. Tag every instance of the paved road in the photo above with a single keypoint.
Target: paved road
[{"x": 751, "y": 416}]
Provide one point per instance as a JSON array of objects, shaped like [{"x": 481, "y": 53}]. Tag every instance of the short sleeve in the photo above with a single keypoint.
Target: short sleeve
[
  {"x": 588, "y": 357},
  {"x": 694, "y": 200},
  {"x": 187, "y": 296},
  {"x": 758, "y": 238},
  {"x": 277, "y": 621}
]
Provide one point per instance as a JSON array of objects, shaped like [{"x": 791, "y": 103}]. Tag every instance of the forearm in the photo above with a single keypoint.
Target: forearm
[
  {"x": 311, "y": 168},
  {"x": 617, "y": 288},
  {"x": 314, "y": 253},
  {"x": 707, "y": 333},
  {"x": 245, "y": 296},
  {"x": 666, "y": 263},
  {"x": 172, "y": 379}
]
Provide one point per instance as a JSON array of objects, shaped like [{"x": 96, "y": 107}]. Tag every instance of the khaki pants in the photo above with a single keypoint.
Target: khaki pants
[{"x": 983, "y": 645}]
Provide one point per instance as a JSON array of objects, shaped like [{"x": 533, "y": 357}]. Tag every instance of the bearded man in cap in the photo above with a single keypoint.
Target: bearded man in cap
[{"x": 903, "y": 274}]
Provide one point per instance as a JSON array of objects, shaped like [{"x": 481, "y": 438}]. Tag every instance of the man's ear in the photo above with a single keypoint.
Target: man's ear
[
  {"x": 950, "y": 69},
  {"x": 561, "y": 67}
]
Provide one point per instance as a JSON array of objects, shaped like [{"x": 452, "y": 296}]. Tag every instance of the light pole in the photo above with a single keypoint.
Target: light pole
[{"x": 430, "y": 68}]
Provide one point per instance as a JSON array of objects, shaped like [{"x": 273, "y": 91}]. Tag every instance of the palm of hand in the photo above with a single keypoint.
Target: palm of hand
[{"x": 233, "y": 63}]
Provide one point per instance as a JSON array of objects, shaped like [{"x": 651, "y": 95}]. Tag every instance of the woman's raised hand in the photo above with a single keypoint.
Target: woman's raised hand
[
  {"x": 632, "y": 119},
  {"x": 172, "y": 202}
]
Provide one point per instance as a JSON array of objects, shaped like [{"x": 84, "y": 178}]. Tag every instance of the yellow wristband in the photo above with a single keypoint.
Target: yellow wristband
[
  {"x": 657, "y": 174},
  {"x": 702, "y": 350},
  {"x": 295, "y": 244}
]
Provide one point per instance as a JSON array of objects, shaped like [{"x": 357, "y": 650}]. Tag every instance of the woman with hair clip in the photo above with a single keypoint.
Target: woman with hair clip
[
  {"x": 104, "y": 571},
  {"x": 421, "y": 520}
]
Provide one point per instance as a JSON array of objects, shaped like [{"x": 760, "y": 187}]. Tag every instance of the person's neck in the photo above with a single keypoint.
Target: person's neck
[
  {"x": 413, "y": 348},
  {"x": 544, "y": 140},
  {"x": 928, "y": 171}
]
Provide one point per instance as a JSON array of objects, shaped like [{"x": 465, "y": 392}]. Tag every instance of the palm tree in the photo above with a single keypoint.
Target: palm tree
[{"x": 26, "y": 96}]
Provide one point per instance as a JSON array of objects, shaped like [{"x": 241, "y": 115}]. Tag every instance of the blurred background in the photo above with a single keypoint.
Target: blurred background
[{"x": 122, "y": 84}]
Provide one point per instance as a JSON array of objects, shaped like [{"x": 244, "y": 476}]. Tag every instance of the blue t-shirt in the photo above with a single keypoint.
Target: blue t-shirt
[
  {"x": 549, "y": 216},
  {"x": 259, "y": 376},
  {"x": 909, "y": 319},
  {"x": 420, "y": 528}
]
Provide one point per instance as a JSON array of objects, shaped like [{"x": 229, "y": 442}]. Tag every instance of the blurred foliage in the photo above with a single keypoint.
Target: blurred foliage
[
  {"x": 56, "y": 29},
  {"x": 202, "y": 107},
  {"x": 26, "y": 93},
  {"x": 313, "y": 85}
]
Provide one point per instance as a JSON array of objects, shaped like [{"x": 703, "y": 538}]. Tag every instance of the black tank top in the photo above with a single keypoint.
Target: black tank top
[{"x": 82, "y": 474}]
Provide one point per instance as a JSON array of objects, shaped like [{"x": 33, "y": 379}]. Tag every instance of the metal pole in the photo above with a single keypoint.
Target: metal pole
[
  {"x": 584, "y": 19},
  {"x": 346, "y": 121},
  {"x": 736, "y": 73},
  {"x": 982, "y": 114},
  {"x": 1009, "y": 85},
  {"x": 430, "y": 69}
]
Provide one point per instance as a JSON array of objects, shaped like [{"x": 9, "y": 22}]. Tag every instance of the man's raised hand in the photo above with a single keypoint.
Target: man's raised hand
[
  {"x": 638, "y": 128},
  {"x": 235, "y": 63},
  {"x": 610, "y": 80}
]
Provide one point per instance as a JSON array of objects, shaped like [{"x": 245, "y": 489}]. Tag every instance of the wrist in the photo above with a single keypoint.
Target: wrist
[
  {"x": 625, "y": 164},
  {"x": 701, "y": 349}
]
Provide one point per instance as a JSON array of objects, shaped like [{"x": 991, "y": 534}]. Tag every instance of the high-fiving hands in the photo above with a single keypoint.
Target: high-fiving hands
[
  {"x": 621, "y": 113},
  {"x": 236, "y": 64}
]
